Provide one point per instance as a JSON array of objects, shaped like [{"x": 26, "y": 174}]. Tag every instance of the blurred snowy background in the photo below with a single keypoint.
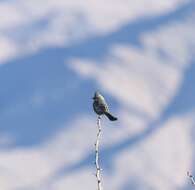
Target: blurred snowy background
[{"x": 55, "y": 54}]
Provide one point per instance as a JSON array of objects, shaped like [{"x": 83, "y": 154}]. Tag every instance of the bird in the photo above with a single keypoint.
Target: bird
[{"x": 100, "y": 106}]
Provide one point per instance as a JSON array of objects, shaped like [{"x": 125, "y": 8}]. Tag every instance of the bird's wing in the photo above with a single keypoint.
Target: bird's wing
[{"x": 104, "y": 106}]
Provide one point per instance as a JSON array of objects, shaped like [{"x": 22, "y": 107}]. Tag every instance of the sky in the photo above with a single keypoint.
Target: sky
[{"x": 56, "y": 54}]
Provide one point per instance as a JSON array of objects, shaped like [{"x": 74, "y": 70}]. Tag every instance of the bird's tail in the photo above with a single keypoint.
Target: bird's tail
[{"x": 110, "y": 117}]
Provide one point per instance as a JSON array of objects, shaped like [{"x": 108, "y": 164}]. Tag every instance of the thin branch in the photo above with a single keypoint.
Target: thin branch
[
  {"x": 191, "y": 178},
  {"x": 98, "y": 169}
]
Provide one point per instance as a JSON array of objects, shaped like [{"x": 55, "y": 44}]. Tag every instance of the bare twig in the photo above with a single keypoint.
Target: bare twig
[
  {"x": 98, "y": 169},
  {"x": 191, "y": 178}
]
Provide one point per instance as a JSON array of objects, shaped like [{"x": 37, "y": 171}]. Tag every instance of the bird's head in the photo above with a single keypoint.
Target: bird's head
[{"x": 96, "y": 95}]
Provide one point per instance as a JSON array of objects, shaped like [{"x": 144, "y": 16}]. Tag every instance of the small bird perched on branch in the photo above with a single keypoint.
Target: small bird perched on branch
[{"x": 100, "y": 106}]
